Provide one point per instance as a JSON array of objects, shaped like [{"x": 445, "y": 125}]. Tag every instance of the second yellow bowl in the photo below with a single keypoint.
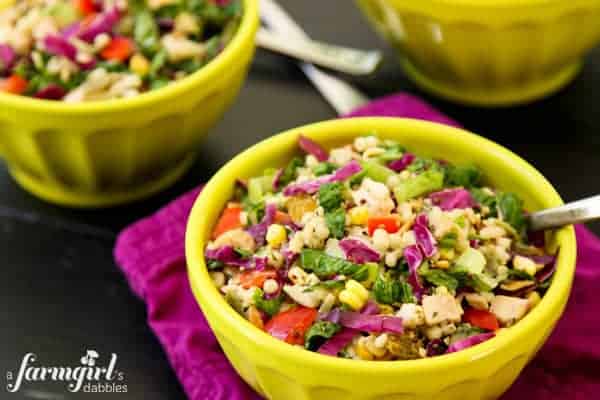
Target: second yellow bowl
[
  {"x": 488, "y": 52},
  {"x": 111, "y": 152}
]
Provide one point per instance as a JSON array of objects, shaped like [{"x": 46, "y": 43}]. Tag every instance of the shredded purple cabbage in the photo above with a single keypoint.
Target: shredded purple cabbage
[
  {"x": 371, "y": 323},
  {"x": 51, "y": 92},
  {"x": 71, "y": 30},
  {"x": 425, "y": 239},
  {"x": 226, "y": 255},
  {"x": 337, "y": 343},
  {"x": 331, "y": 316},
  {"x": 166, "y": 23},
  {"x": 7, "y": 58},
  {"x": 277, "y": 179},
  {"x": 358, "y": 251},
  {"x": 312, "y": 147},
  {"x": 370, "y": 308},
  {"x": 289, "y": 259},
  {"x": 103, "y": 23},
  {"x": 259, "y": 231},
  {"x": 450, "y": 199},
  {"x": 414, "y": 259},
  {"x": 435, "y": 347},
  {"x": 311, "y": 187},
  {"x": 60, "y": 46},
  {"x": 401, "y": 164},
  {"x": 468, "y": 342}
]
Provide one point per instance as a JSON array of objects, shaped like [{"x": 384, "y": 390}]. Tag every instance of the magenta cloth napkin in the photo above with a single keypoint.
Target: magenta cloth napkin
[{"x": 151, "y": 255}]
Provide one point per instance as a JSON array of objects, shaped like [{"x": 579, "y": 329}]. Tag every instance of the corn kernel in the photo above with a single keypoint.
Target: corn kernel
[
  {"x": 359, "y": 215},
  {"x": 362, "y": 351},
  {"x": 534, "y": 299},
  {"x": 351, "y": 300},
  {"x": 139, "y": 64},
  {"x": 276, "y": 235},
  {"x": 354, "y": 295}
]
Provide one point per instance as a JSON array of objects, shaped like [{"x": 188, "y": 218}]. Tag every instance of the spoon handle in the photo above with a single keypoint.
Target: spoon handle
[
  {"x": 341, "y": 95},
  {"x": 339, "y": 58},
  {"x": 571, "y": 213}
]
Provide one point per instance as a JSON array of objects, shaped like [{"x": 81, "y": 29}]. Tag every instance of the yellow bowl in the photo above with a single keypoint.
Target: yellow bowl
[
  {"x": 110, "y": 152},
  {"x": 488, "y": 52},
  {"x": 282, "y": 372}
]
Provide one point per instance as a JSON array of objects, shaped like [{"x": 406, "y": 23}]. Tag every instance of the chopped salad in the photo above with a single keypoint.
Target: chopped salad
[
  {"x": 371, "y": 252},
  {"x": 86, "y": 50}
]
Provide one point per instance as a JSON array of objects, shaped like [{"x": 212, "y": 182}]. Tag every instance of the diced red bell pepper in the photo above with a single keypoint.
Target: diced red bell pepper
[
  {"x": 13, "y": 84},
  {"x": 291, "y": 325},
  {"x": 119, "y": 49},
  {"x": 85, "y": 7},
  {"x": 230, "y": 219},
  {"x": 389, "y": 223},
  {"x": 481, "y": 319}
]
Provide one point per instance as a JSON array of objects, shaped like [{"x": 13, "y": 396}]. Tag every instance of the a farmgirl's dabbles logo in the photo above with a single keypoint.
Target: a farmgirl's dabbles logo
[{"x": 88, "y": 377}]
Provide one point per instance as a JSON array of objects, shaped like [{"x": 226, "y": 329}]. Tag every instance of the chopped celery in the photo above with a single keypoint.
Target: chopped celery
[
  {"x": 429, "y": 181},
  {"x": 471, "y": 261},
  {"x": 376, "y": 171},
  {"x": 255, "y": 189}
]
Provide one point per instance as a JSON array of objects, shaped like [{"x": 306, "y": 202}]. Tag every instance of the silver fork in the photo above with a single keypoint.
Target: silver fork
[{"x": 343, "y": 97}]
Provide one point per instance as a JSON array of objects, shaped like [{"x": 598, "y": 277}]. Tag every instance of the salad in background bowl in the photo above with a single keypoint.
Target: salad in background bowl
[
  {"x": 379, "y": 298},
  {"x": 115, "y": 96},
  {"x": 86, "y": 50}
]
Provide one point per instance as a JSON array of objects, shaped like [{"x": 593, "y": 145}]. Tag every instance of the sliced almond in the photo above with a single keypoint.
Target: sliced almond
[{"x": 513, "y": 286}]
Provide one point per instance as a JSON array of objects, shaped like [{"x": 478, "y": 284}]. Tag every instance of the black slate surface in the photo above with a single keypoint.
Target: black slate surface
[{"x": 61, "y": 292}]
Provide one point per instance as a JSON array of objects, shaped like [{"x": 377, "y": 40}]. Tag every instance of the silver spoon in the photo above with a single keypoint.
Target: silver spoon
[
  {"x": 571, "y": 213},
  {"x": 339, "y": 58}
]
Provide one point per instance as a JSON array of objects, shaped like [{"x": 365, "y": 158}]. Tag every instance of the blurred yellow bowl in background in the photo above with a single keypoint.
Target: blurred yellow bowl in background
[
  {"x": 280, "y": 371},
  {"x": 488, "y": 52},
  {"x": 110, "y": 152}
]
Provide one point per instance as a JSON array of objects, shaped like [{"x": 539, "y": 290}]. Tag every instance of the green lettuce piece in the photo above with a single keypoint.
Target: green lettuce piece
[
  {"x": 510, "y": 209},
  {"x": 324, "y": 168},
  {"x": 146, "y": 33}
]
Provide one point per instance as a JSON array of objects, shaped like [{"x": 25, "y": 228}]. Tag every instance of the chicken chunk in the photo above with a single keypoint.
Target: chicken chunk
[
  {"x": 508, "y": 309},
  {"x": 305, "y": 295},
  {"x": 440, "y": 308},
  {"x": 375, "y": 196},
  {"x": 236, "y": 238}
]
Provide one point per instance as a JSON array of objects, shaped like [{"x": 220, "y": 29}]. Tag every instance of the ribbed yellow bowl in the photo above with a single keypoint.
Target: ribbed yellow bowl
[
  {"x": 282, "y": 372},
  {"x": 488, "y": 52},
  {"x": 110, "y": 152}
]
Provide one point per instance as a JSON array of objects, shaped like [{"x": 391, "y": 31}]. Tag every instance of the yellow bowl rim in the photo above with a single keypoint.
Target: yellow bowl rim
[
  {"x": 241, "y": 39},
  {"x": 213, "y": 300},
  {"x": 490, "y": 3}
]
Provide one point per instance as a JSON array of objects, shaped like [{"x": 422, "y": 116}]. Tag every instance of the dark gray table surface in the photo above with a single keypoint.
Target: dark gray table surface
[{"x": 61, "y": 292}]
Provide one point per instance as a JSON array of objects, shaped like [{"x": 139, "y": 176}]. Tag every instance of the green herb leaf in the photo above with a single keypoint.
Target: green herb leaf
[
  {"x": 438, "y": 277},
  {"x": 319, "y": 333},
  {"x": 324, "y": 168},
  {"x": 324, "y": 265},
  {"x": 331, "y": 196},
  {"x": 271, "y": 306},
  {"x": 290, "y": 172},
  {"x": 388, "y": 289},
  {"x": 146, "y": 33},
  {"x": 336, "y": 223},
  {"x": 467, "y": 176},
  {"x": 510, "y": 209}
]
